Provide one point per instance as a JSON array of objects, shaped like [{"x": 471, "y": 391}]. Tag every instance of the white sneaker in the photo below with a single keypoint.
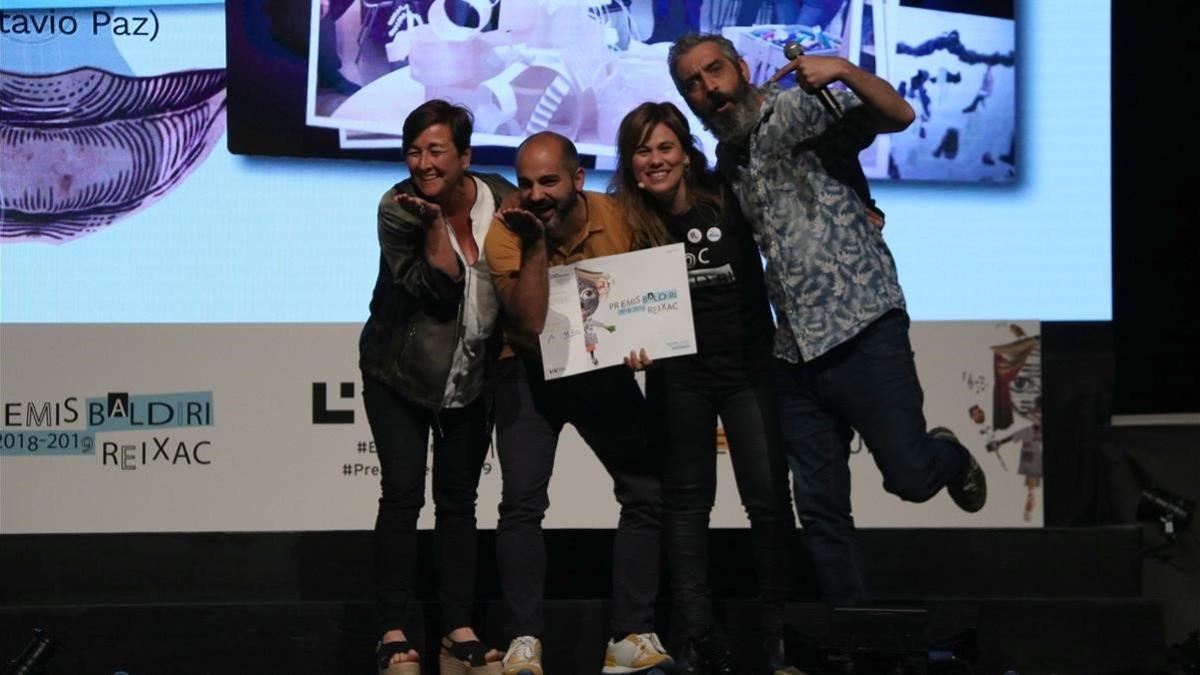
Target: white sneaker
[
  {"x": 524, "y": 656},
  {"x": 637, "y": 654}
]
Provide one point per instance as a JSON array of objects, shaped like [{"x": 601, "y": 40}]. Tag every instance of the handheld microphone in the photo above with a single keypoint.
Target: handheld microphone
[{"x": 792, "y": 50}]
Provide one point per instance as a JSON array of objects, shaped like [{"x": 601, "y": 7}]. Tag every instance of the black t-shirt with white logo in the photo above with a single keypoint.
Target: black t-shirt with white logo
[{"x": 729, "y": 298}]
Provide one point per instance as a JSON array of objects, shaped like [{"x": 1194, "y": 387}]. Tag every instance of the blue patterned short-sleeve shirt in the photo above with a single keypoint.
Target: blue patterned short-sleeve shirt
[{"x": 829, "y": 272}]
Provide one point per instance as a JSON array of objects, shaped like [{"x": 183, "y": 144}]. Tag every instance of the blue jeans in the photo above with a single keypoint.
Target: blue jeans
[{"x": 868, "y": 384}]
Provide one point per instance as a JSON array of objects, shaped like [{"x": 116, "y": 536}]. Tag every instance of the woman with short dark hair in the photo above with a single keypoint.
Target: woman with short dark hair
[{"x": 426, "y": 353}]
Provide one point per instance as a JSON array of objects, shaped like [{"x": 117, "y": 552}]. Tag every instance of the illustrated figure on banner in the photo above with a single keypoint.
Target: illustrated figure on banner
[
  {"x": 1030, "y": 465},
  {"x": 593, "y": 287},
  {"x": 1016, "y": 393}
]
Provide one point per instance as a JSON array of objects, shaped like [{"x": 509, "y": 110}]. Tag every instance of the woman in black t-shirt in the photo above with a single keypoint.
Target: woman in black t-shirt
[{"x": 669, "y": 195}]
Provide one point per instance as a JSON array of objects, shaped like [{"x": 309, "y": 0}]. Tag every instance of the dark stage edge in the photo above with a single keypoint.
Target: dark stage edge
[
  {"x": 902, "y": 564},
  {"x": 1028, "y": 636},
  {"x": 1062, "y": 600}
]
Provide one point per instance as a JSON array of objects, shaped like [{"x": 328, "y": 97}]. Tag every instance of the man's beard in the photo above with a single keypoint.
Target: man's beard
[
  {"x": 562, "y": 211},
  {"x": 735, "y": 125}
]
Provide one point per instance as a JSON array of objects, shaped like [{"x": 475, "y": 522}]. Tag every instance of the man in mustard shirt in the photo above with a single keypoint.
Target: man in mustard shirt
[{"x": 552, "y": 220}]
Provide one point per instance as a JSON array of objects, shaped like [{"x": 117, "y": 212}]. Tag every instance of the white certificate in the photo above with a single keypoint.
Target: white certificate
[{"x": 603, "y": 308}]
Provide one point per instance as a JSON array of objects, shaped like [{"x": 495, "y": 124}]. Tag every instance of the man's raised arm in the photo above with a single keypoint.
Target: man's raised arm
[{"x": 517, "y": 255}]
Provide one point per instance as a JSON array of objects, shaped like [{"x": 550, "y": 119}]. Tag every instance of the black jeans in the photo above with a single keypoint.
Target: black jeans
[
  {"x": 401, "y": 431},
  {"x": 608, "y": 410},
  {"x": 869, "y": 384},
  {"x": 690, "y": 392}
]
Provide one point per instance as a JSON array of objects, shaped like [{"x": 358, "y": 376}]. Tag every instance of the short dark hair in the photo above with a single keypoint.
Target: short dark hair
[
  {"x": 690, "y": 41},
  {"x": 436, "y": 111},
  {"x": 570, "y": 155}
]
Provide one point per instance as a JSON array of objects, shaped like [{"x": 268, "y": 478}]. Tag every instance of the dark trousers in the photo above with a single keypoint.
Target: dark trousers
[
  {"x": 690, "y": 392},
  {"x": 608, "y": 410},
  {"x": 868, "y": 384},
  {"x": 401, "y": 431}
]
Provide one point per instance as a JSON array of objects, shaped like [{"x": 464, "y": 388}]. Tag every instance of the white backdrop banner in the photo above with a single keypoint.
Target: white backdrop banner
[{"x": 260, "y": 427}]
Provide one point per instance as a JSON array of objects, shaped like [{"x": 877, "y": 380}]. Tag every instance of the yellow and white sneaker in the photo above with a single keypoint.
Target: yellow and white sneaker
[
  {"x": 524, "y": 656},
  {"x": 637, "y": 655}
]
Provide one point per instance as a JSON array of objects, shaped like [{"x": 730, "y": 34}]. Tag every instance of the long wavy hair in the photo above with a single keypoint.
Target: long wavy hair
[{"x": 646, "y": 216}]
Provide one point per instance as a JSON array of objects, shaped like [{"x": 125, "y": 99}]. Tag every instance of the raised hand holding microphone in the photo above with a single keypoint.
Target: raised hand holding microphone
[
  {"x": 890, "y": 111},
  {"x": 813, "y": 75}
]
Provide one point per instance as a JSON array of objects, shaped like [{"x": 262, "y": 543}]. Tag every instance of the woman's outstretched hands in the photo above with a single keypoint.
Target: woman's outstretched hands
[{"x": 429, "y": 212}]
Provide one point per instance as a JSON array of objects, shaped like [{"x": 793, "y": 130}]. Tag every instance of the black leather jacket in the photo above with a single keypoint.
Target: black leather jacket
[{"x": 416, "y": 309}]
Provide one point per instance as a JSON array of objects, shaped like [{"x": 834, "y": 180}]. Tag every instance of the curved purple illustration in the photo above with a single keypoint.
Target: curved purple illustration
[{"x": 85, "y": 148}]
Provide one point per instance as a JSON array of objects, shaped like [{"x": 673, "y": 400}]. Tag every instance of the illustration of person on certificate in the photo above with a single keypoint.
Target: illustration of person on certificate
[{"x": 593, "y": 287}]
